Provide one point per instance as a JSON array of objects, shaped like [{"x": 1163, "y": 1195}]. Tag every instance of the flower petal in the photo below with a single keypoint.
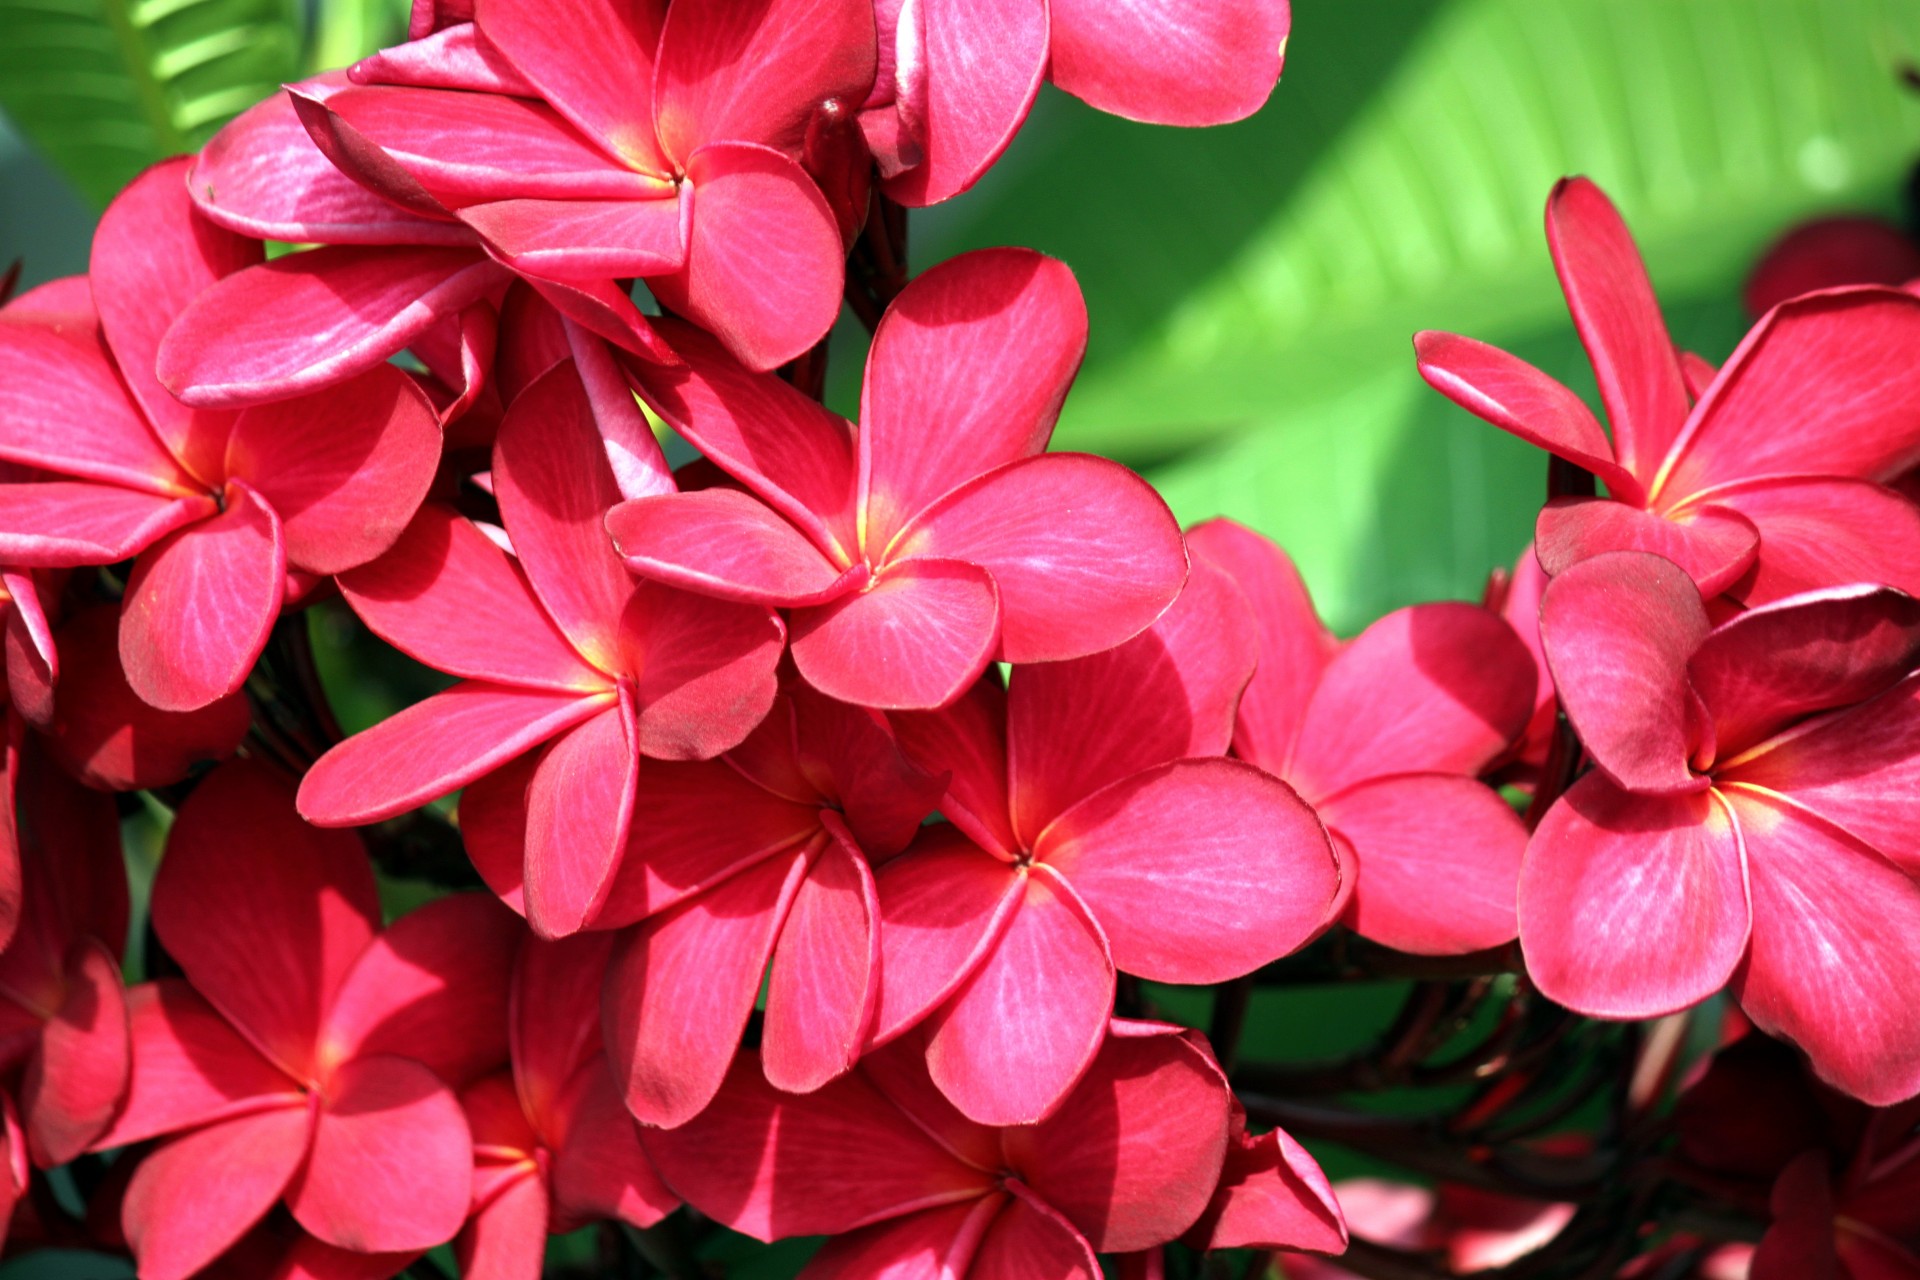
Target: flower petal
[
  {"x": 1272, "y": 1195},
  {"x": 307, "y": 319},
  {"x": 392, "y": 1160},
  {"x": 1024, "y": 1025},
  {"x": 344, "y": 469},
  {"x": 703, "y": 670},
  {"x": 62, "y": 523},
  {"x": 944, "y": 905},
  {"x": 824, "y": 983},
  {"x": 584, "y": 239},
  {"x": 1198, "y": 870},
  {"x": 979, "y": 67},
  {"x": 774, "y": 1165},
  {"x": 446, "y": 595},
  {"x": 434, "y": 748},
  {"x": 1132, "y": 1156},
  {"x": 455, "y": 56},
  {"x": 1295, "y": 646},
  {"x": 431, "y": 987},
  {"x": 152, "y": 255},
  {"x": 1619, "y": 320},
  {"x": 1824, "y": 533},
  {"x": 986, "y": 344},
  {"x": 580, "y": 803},
  {"x": 1442, "y": 687},
  {"x": 1633, "y": 906},
  {"x": 506, "y": 1238},
  {"x": 1169, "y": 63},
  {"x": 1437, "y": 862},
  {"x": 200, "y": 603},
  {"x": 914, "y": 639},
  {"x": 1834, "y": 961},
  {"x": 1618, "y": 631},
  {"x": 554, "y": 1027},
  {"x": 74, "y": 1085},
  {"x": 1821, "y": 386},
  {"x": 968, "y": 741},
  {"x": 1715, "y": 545},
  {"x": 1030, "y": 1240},
  {"x": 721, "y": 542},
  {"x": 268, "y": 943},
  {"x": 682, "y": 984},
  {"x": 601, "y": 1169},
  {"x": 1083, "y": 552},
  {"x": 931, "y": 1242},
  {"x": 593, "y": 60},
  {"x": 765, "y": 262},
  {"x": 64, "y": 409},
  {"x": 192, "y": 1199}
]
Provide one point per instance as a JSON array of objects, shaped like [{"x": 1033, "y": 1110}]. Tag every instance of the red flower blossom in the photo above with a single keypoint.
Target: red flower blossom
[
  {"x": 938, "y": 535},
  {"x": 1094, "y": 826},
  {"x": 910, "y": 1186},
  {"x": 307, "y": 1056},
  {"x": 217, "y": 507},
  {"x": 1830, "y": 253},
  {"x": 553, "y": 1148},
  {"x": 1384, "y": 737},
  {"x": 757, "y": 864},
  {"x": 957, "y": 77},
  {"x": 554, "y": 643},
  {"x": 63, "y": 1016},
  {"x": 1750, "y": 820},
  {"x": 1761, "y": 481}
]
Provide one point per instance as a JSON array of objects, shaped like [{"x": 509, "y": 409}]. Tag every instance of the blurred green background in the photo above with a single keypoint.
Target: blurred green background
[{"x": 1252, "y": 288}]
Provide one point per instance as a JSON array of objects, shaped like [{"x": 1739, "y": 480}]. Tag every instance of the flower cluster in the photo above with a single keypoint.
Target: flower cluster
[{"x": 825, "y": 802}]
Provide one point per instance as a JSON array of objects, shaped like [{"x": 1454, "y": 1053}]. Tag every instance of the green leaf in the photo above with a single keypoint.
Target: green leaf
[
  {"x": 346, "y": 31},
  {"x": 107, "y": 87},
  {"x": 1253, "y": 288}
]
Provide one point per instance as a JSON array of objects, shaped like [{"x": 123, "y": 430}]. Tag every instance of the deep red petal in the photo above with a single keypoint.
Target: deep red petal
[
  {"x": 703, "y": 670},
  {"x": 914, "y": 639},
  {"x": 1030, "y": 1240},
  {"x": 1715, "y": 545},
  {"x": 1166, "y": 62},
  {"x": 554, "y": 1027},
  {"x": 193, "y": 1198},
  {"x": 506, "y": 1238},
  {"x": 968, "y": 741},
  {"x": 594, "y": 61},
  {"x": 1824, "y": 533},
  {"x": 944, "y": 904},
  {"x": 580, "y": 804},
  {"x": 824, "y": 983},
  {"x": 601, "y": 1169},
  {"x": 724, "y": 543},
  {"x": 76, "y": 1082},
  {"x": 64, "y": 409},
  {"x": 584, "y": 239}
]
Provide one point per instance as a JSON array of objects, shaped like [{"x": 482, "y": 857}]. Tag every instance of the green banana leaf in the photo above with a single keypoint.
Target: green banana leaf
[{"x": 1253, "y": 288}]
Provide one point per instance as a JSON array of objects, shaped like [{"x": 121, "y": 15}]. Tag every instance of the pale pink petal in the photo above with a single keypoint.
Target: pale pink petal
[
  {"x": 721, "y": 542},
  {"x": 74, "y": 1085},
  {"x": 267, "y": 942},
  {"x": 1168, "y": 693},
  {"x": 1030, "y": 1240},
  {"x": 968, "y": 741},
  {"x": 985, "y": 344},
  {"x": 1633, "y": 906},
  {"x": 62, "y": 523},
  {"x": 446, "y": 595},
  {"x": 681, "y": 987},
  {"x": 1524, "y": 402},
  {"x": 262, "y": 176},
  {"x": 152, "y": 255},
  {"x": 345, "y": 469},
  {"x": 192, "y": 1199},
  {"x": 584, "y": 239},
  {"x": 1295, "y": 646},
  {"x": 772, "y": 1164},
  {"x": 1442, "y": 687},
  {"x": 975, "y": 70},
  {"x": 1834, "y": 961},
  {"x": 1437, "y": 862},
  {"x": 580, "y": 803},
  {"x": 1858, "y": 768},
  {"x": 764, "y": 257},
  {"x": 1764, "y": 669},
  {"x": 1715, "y": 545},
  {"x": 1024, "y": 1025},
  {"x": 200, "y": 603},
  {"x": 760, "y": 72},
  {"x": 1620, "y": 324},
  {"x": 392, "y": 1160},
  {"x": 914, "y": 639},
  {"x": 601, "y": 1169},
  {"x": 1822, "y": 533},
  {"x": 790, "y": 451},
  {"x": 593, "y": 60},
  {"x": 431, "y": 987},
  {"x": 944, "y": 905},
  {"x": 1821, "y": 386},
  {"x": 1083, "y": 552},
  {"x": 1132, "y": 1156},
  {"x": 824, "y": 984},
  {"x": 554, "y": 484},
  {"x": 1198, "y": 871},
  {"x": 1166, "y": 62},
  {"x": 310, "y": 318},
  {"x": 64, "y": 409},
  {"x": 433, "y": 748},
  {"x": 703, "y": 670},
  {"x": 1618, "y": 631}
]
